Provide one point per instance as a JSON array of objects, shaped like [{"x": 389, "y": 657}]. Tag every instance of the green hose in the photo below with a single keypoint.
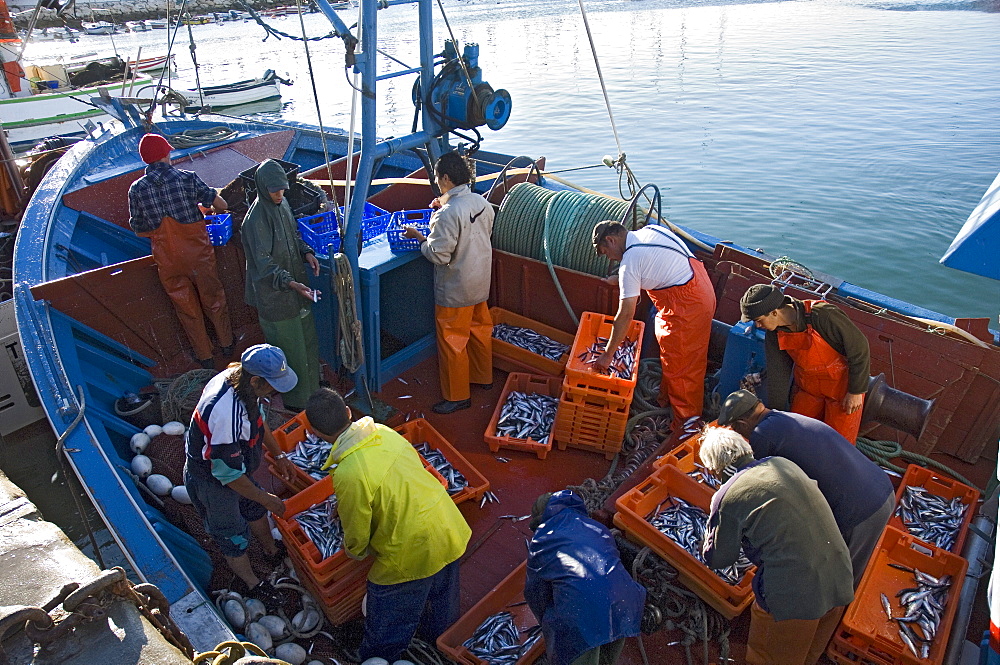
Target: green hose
[{"x": 881, "y": 452}]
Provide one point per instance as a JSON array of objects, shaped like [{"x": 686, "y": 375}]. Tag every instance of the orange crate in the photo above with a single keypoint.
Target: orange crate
[
  {"x": 420, "y": 431},
  {"x": 344, "y": 603},
  {"x": 509, "y": 596},
  {"x": 288, "y": 436},
  {"x": 641, "y": 501},
  {"x": 582, "y": 375},
  {"x": 944, "y": 487},
  {"x": 525, "y": 383},
  {"x": 511, "y": 358},
  {"x": 611, "y": 398},
  {"x": 589, "y": 427},
  {"x": 865, "y": 634},
  {"x": 321, "y": 570}
]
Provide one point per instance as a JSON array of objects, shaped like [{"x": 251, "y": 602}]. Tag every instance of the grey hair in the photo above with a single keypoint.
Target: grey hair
[{"x": 721, "y": 447}]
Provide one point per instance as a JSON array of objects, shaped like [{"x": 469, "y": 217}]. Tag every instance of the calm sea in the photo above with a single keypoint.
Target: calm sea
[{"x": 855, "y": 137}]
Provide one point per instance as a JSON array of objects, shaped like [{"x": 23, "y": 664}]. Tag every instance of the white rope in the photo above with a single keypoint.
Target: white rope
[
  {"x": 597, "y": 64},
  {"x": 351, "y": 347}
]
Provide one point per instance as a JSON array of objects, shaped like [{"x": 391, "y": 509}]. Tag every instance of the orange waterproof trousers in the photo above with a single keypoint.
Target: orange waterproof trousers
[
  {"x": 683, "y": 327},
  {"x": 821, "y": 376},
  {"x": 185, "y": 260},
  {"x": 465, "y": 348},
  {"x": 789, "y": 642}
]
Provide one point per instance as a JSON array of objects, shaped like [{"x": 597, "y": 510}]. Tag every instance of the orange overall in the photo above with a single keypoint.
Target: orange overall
[
  {"x": 683, "y": 327},
  {"x": 185, "y": 260},
  {"x": 821, "y": 376},
  {"x": 465, "y": 348}
]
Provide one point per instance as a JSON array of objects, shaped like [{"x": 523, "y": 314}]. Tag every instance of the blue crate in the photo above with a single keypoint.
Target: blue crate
[
  {"x": 421, "y": 219},
  {"x": 220, "y": 228},
  {"x": 321, "y": 233}
]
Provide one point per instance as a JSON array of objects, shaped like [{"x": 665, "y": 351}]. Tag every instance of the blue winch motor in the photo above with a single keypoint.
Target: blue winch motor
[{"x": 459, "y": 105}]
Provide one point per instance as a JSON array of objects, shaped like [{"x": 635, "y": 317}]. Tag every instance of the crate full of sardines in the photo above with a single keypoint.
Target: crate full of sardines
[
  {"x": 525, "y": 414},
  {"x": 668, "y": 512},
  {"x": 618, "y": 383},
  {"x": 500, "y": 628},
  {"x": 934, "y": 508},
  {"x": 463, "y": 481},
  {"x": 904, "y": 607},
  {"x": 524, "y": 345},
  {"x": 308, "y": 453}
]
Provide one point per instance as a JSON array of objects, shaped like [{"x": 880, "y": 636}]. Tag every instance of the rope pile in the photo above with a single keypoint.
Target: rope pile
[
  {"x": 190, "y": 138},
  {"x": 181, "y": 395},
  {"x": 881, "y": 452}
]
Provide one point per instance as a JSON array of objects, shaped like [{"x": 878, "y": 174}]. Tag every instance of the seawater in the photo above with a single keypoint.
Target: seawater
[{"x": 852, "y": 136}]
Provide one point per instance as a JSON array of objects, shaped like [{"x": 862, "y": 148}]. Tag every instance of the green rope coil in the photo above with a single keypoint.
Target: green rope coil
[
  {"x": 555, "y": 227},
  {"x": 881, "y": 452}
]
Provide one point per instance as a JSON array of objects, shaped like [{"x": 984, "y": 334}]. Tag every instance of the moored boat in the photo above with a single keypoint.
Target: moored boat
[
  {"x": 98, "y": 28},
  {"x": 235, "y": 94},
  {"x": 83, "y": 355}
]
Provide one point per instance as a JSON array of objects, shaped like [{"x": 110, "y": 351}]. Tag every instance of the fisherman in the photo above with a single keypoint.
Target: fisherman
[
  {"x": 577, "y": 587},
  {"x": 163, "y": 206},
  {"x": 224, "y": 445},
  {"x": 814, "y": 343},
  {"x": 655, "y": 260},
  {"x": 859, "y": 492},
  {"x": 394, "y": 510},
  {"x": 785, "y": 527},
  {"x": 459, "y": 246},
  {"x": 276, "y": 280}
]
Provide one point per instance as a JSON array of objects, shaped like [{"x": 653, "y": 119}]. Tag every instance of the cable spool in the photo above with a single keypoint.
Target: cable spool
[
  {"x": 529, "y": 212},
  {"x": 519, "y": 224}
]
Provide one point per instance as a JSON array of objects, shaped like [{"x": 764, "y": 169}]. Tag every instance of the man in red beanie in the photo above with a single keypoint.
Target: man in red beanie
[{"x": 163, "y": 206}]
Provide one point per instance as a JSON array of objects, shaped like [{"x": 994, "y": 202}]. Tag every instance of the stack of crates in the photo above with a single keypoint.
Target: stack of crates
[
  {"x": 594, "y": 407},
  {"x": 337, "y": 582}
]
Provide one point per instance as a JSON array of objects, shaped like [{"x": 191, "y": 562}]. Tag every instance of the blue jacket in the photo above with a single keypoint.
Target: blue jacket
[
  {"x": 576, "y": 583},
  {"x": 854, "y": 486}
]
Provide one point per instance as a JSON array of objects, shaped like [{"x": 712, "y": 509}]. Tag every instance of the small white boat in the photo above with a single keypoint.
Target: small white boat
[
  {"x": 157, "y": 23},
  {"x": 99, "y": 28},
  {"x": 136, "y": 26},
  {"x": 234, "y": 94},
  {"x": 58, "y": 34}
]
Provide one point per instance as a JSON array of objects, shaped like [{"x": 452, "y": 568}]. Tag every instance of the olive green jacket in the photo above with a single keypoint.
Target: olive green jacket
[{"x": 274, "y": 251}]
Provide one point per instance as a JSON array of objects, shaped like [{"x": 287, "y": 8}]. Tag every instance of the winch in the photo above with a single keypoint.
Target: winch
[{"x": 459, "y": 96}]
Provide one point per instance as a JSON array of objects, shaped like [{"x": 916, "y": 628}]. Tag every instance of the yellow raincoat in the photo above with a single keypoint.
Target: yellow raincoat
[{"x": 391, "y": 507}]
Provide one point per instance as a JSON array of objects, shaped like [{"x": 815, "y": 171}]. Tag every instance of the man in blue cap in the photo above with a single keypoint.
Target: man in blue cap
[
  {"x": 577, "y": 587},
  {"x": 224, "y": 446}
]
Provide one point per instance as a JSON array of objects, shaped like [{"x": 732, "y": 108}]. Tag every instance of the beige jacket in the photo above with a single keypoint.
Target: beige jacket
[{"x": 459, "y": 246}]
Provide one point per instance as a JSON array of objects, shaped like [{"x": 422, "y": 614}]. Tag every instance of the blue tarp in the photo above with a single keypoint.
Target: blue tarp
[{"x": 976, "y": 248}]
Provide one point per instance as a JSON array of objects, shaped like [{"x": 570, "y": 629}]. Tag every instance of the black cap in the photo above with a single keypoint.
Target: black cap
[
  {"x": 761, "y": 299},
  {"x": 737, "y": 405}
]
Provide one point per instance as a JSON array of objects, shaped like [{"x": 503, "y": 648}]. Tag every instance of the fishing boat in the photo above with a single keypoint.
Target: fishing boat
[
  {"x": 157, "y": 23},
  {"x": 151, "y": 64},
  {"x": 41, "y": 101},
  {"x": 98, "y": 28},
  {"x": 235, "y": 94},
  {"x": 136, "y": 26},
  {"x": 95, "y": 327}
]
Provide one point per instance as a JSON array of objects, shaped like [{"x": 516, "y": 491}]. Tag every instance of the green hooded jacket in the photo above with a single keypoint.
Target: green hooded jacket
[{"x": 274, "y": 250}]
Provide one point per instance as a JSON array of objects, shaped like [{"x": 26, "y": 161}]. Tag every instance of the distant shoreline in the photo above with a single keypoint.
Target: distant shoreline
[{"x": 136, "y": 10}]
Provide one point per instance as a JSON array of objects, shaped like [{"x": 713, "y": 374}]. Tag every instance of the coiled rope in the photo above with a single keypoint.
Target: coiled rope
[
  {"x": 349, "y": 327},
  {"x": 190, "y": 138},
  {"x": 881, "y": 452}
]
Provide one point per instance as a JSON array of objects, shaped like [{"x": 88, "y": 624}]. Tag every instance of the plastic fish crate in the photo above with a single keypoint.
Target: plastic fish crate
[
  {"x": 293, "y": 433},
  {"x": 321, "y": 233},
  {"x": 589, "y": 427},
  {"x": 346, "y": 603},
  {"x": 220, "y": 228},
  {"x": 374, "y": 222},
  {"x": 321, "y": 570},
  {"x": 946, "y": 488},
  {"x": 421, "y": 219},
  {"x": 506, "y": 596},
  {"x": 865, "y": 634},
  {"x": 420, "y": 431},
  {"x": 641, "y": 501},
  {"x": 582, "y": 375},
  {"x": 511, "y": 358},
  {"x": 525, "y": 383}
]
